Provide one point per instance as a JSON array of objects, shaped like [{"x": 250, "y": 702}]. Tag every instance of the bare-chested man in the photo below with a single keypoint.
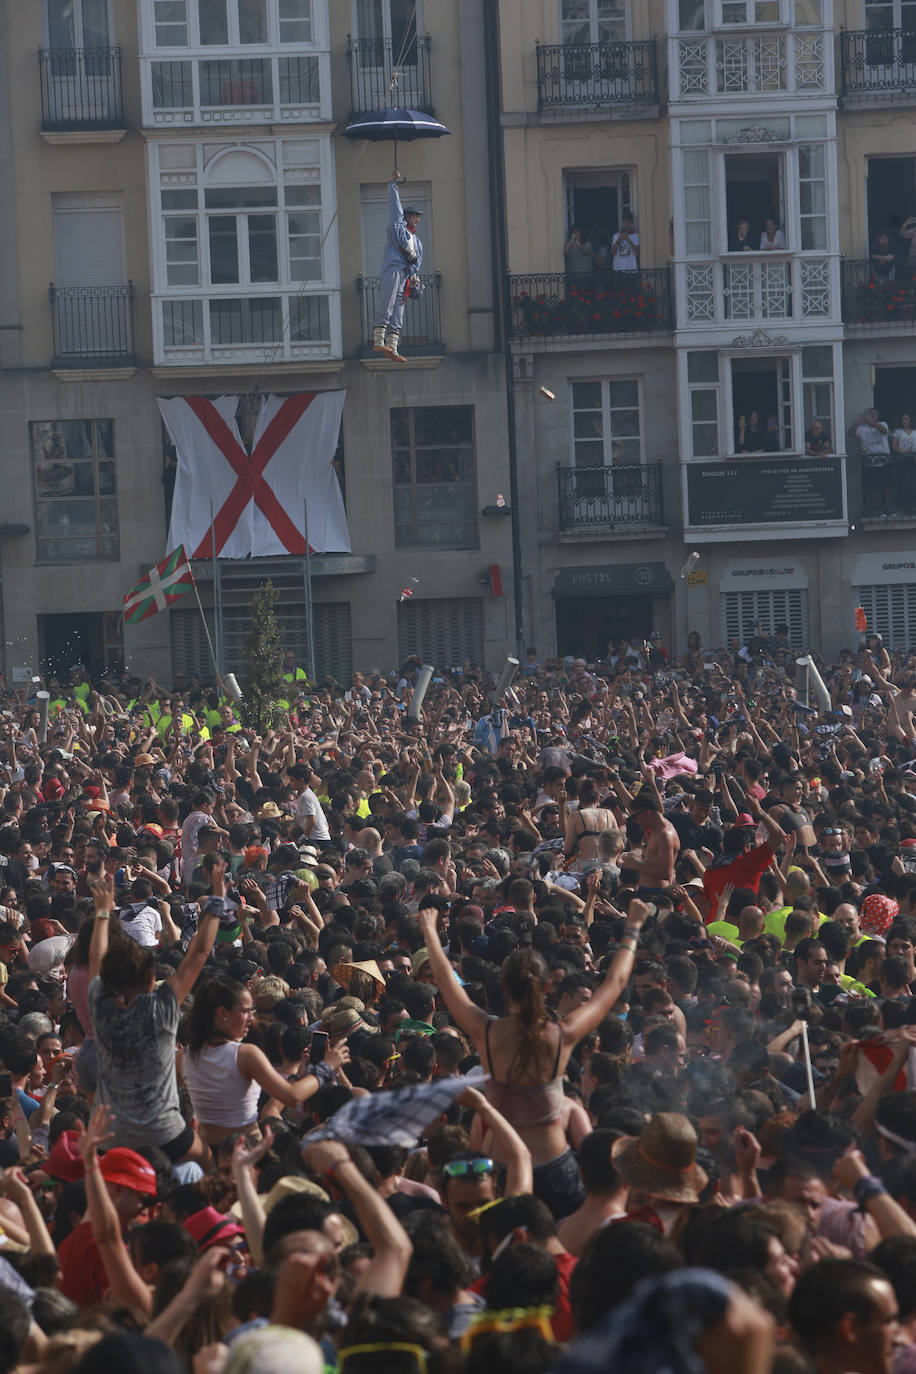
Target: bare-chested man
[{"x": 654, "y": 862}]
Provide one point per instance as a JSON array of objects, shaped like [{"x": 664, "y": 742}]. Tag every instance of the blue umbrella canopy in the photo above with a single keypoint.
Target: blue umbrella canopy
[{"x": 395, "y": 125}]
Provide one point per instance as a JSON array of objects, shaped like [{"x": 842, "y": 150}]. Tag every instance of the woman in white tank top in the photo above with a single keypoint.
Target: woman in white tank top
[{"x": 224, "y": 1076}]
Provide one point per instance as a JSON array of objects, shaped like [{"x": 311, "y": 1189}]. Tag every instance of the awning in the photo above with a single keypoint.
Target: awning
[{"x": 614, "y": 579}]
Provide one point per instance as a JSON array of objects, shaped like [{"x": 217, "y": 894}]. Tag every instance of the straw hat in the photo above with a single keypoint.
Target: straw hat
[
  {"x": 343, "y": 973},
  {"x": 661, "y": 1160}
]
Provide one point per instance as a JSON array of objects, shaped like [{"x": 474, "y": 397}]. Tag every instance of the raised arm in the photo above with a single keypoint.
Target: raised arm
[
  {"x": 508, "y": 1142},
  {"x": 126, "y": 1284},
  {"x": 188, "y": 971},
  {"x": 103, "y": 896},
  {"x": 468, "y": 1017},
  {"x": 585, "y": 1018},
  {"x": 391, "y": 1247}
]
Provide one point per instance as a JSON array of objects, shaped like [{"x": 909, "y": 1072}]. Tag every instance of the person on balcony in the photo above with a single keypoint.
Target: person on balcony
[
  {"x": 400, "y": 273},
  {"x": 908, "y": 234},
  {"x": 903, "y": 443},
  {"x": 578, "y": 256},
  {"x": 772, "y": 240},
  {"x": 870, "y": 434},
  {"x": 883, "y": 259},
  {"x": 771, "y": 440},
  {"x": 625, "y": 247},
  {"x": 740, "y": 240},
  {"x": 817, "y": 443}
]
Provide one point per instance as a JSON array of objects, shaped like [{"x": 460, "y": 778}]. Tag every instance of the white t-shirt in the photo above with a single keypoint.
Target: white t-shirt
[
  {"x": 872, "y": 440},
  {"x": 309, "y": 805},
  {"x": 142, "y": 923},
  {"x": 625, "y": 260},
  {"x": 906, "y": 443}
]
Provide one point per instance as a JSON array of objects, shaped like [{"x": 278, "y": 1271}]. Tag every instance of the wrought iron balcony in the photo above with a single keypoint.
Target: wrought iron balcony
[
  {"x": 597, "y": 75},
  {"x": 422, "y": 333},
  {"x": 80, "y": 89},
  {"x": 878, "y": 62},
  {"x": 93, "y": 325},
  {"x": 609, "y": 498},
  {"x": 868, "y": 299},
  {"x": 377, "y": 80},
  {"x": 553, "y": 305}
]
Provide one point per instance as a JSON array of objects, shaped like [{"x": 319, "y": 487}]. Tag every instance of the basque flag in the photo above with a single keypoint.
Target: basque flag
[{"x": 162, "y": 585}]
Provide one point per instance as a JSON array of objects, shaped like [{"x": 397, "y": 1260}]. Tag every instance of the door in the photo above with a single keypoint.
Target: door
[
  {"x": 895, "y": 389},
  {"x": 64, "y": 640},
  {"x": 891, "y": 193},
  {"x": 92, "y": 302},
  {"x": 387, "y": 34},
  {"x": 586, "y": 625},
  {"x": 82, "y": 79}
]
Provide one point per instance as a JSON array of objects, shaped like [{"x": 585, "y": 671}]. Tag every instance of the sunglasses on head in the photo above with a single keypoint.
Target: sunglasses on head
[{"x": 461, "y": 1168}]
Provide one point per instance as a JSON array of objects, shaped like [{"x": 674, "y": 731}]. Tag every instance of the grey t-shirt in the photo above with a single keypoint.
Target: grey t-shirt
[{"x": 136, "y": 1048}]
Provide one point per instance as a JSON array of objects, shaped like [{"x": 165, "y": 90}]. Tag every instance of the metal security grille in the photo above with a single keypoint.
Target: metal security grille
[
  {"x": 333, "y": 641},
  {"x": 740, "y": 613},
  {"x": 442, "y": 632},
  {"x": 891, "y": 612}
]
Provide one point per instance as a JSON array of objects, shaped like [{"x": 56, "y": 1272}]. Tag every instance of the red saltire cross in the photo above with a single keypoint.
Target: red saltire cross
[{"x": 251, "y": 484}]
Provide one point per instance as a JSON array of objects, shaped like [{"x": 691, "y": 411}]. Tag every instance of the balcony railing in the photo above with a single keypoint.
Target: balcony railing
[
  {"x": 758, "y": 287},
  {"x": 597, "y": 75},
  {"x": 551, "y": 305},
  {"x": 286, "y": 87},
  {"x": 93, "y": 325},
  {"x": 608, "y": 498},
  {"x": 868, "y": 299},
  {"x": 422, "y": 332},
  {"x": 372, "y": 71},
  {"x": 878, "y": 61},
  {"x": 80, "y": 88},
  {"x": 763, "y": 63}
]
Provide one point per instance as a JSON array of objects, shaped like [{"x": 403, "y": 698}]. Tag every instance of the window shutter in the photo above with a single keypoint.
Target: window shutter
[
  {"x": 88, "y": 243},
  {"x": 443, "y": 632},
  {"x": 374, "y": 207},
  {"x": 740, "y": 612},
  {"x": 891, "y": 612}
]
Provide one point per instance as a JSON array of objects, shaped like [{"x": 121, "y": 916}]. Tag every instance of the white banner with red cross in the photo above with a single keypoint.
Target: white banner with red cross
[{"x": 257, "y": 502}]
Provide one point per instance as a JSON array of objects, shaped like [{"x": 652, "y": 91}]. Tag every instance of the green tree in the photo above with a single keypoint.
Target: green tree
[{"x": 264, "y": 685}]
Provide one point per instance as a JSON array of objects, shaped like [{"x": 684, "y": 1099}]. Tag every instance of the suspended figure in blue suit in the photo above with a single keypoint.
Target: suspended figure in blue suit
[{"x": 400, "y": 274}]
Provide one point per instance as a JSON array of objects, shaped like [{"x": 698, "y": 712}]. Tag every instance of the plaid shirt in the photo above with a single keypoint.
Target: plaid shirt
[{"x": 277, "y": 889}]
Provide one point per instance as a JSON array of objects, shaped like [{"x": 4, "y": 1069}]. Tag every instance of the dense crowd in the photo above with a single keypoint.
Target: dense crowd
[{"x": 570, "y": 1031}]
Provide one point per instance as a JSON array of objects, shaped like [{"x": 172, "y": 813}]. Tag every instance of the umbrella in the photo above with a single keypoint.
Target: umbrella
[{"x": 383, "y": 126}]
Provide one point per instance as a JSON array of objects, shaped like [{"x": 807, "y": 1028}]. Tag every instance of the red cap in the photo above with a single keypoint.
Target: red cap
[
  {"x": 744, "y": 821},
  {"x": 91, "y": 790},
  {"x": 65, "y": 1162},
  {"x": 210, "y": 1227},
  {"x": 129, "y": 1170},
  {"x": 42, "y": 929},
  {"x": 52, "y": 788}
]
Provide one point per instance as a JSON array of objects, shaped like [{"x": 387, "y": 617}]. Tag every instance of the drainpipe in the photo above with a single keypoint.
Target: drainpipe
[{"x": 499, "y": 238}]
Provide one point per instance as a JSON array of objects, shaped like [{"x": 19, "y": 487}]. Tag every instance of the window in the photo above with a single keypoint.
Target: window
[
  {"x": 303, "y": 229},
  {"x": 691, "y": 16},
  {"x": 751, "y": 11},
  {"x": 741, "y": 612},
  {"x": 703, "y": 389},
  {"x": 697, "y": 202},
  {"x": 812, "y": 195},
  {"x": 387, "y": 24},
  {"x": 891, "y": 612},
  {"x": 593, "y": 21},
  {"x": 762, "y": 396},
  {"x": 817, "y": 387},
  {"x": 76, "y": 507},
  {"x": 606, "y": 423},
  {"x": 235, "y": 22},
  {"x": 754, "y": 194},
  {"x": 170, "y": 20},
  {"x": 78, "y": 24},
  {"x": 448, "y": 632},
  {"x": 295, "y": 18},
  {"x": 890, "y": 14},
  {"x": 181, "y": 247},
  {"x": 435, "y": 486}
]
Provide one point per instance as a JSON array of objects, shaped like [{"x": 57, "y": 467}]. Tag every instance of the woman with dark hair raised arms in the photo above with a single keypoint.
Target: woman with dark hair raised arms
[{"x": 526, "y": 1052}]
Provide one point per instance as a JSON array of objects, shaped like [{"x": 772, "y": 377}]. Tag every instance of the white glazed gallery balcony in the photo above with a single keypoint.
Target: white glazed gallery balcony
[
  {"x": 757, "y": 288},
  {"x": 766, "y": 62}
]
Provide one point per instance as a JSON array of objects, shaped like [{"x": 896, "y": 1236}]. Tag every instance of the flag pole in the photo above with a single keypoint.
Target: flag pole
[
  {"x": 309, "y": 626},
  {"x": 217, "y": 600},
  {"x": 204, "y": 620}
]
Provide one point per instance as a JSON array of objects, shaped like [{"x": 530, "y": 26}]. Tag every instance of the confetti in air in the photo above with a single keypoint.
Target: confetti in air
[
  {"x": 500, "y": 499},
  {"x": 547, "y": 393},
  {"x": 405, "y": 593}
]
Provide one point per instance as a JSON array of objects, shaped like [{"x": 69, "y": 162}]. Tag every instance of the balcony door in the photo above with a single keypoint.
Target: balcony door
[
  {"x": 593, "y": 21},
  {"x": 609, "y": 480},
  {"x": 89, "y": 275},
  {"x": 386, "y": 32},
  {"x": 82, "y": 78},
  {"x": 885, "y": 50}
]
